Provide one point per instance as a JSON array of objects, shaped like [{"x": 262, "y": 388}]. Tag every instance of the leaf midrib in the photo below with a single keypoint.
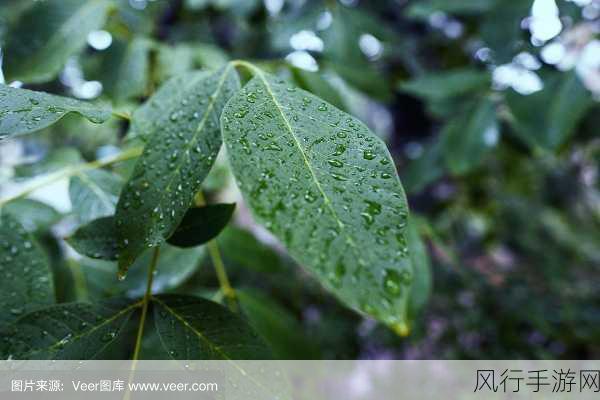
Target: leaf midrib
[{"x": 327, "y": 201}]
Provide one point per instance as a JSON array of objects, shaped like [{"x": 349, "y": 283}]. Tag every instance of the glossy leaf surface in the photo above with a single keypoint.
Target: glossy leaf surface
[
  {"x": 199, "y": 225},
  {"x": 180, "y": 152},
  {"x": 70, "y": 331},
  {"x": 25, "y": 279},
  {"x": 327, "y": 188},
  {"x": 192, "y": 328},
  {"x": 23, "y": 111}
]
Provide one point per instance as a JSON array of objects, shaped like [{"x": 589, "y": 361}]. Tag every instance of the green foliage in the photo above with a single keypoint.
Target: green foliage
[{"x": 111, "y": 216}]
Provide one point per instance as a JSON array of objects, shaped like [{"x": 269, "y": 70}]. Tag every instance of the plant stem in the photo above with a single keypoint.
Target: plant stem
[
  {"x": 146, "y": 300},
  {"x": 73, "y": 170},
  {"x": 122, "y": 115},
  {"x": 217, "y": 261},
  {"x": 245, "y": 64}
]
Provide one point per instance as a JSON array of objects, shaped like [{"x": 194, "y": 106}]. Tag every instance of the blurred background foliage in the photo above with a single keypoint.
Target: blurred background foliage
[{"x": 490, "y": 110}]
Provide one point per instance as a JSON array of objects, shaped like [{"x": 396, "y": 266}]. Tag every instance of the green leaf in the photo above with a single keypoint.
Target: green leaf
[
  {"x": 199, "y": 225},
  {"x": 281, "y": 330},
  {"x": 97, "y": 239},
  {"x": 326, "y": 186},
  {"x": 423, "y": 281},
  {"x": 174, "y": 267},
  {"x": 25, "y": 278},
  {"x": 191, "y": 328},
  {"x": 32, "y": 214},
  {"x": 315, "y": 83},
  {"x": 126, "y": 67},
  {"x": 549, "y": 117},
  {"x": 24, "y": 111},
  {"x": 424, "y": 8},
  {"x": 47, "y": 34},
  {"x": 71, "y": 331},
  {"x": 182, "y": 147},
  {"x": 425, "y": 169},
  {"x": 94, "y": 194},
  {"x": 241, "y": 247},
  {"x": 443, "y": 85},
  {"x": 467, "y": 138}
]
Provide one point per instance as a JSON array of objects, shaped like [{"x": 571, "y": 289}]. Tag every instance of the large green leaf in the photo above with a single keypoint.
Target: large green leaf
[
  {"x": 97, "y": 239},
  {"x": 174, "y": 267},
  {"x": 191, "y": 328},
  {"x": 94, "y": 194},
  {"x": 183, "y": 144},
  {"x": 47, "y": 34},
  {"x": 25, "y": 280},
  {"x": 23, "y": 111},
  {"x": 199, "y": 225},
  {"x": 547, "y": 118},
  {"x": 70, "y": 331},
  {"x": 326, "y": 186},
  {"x": 468, "y": 137}
]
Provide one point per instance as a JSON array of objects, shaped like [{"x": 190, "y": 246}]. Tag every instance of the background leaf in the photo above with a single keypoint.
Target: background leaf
[
  {"x": 94, "y": 194},
  {"x": 47, "y": 34},
  {"x": 440, "y": 86},
  {"x": 73, "y": 331},
  {"x": 181, "y": 151},
  {"x": 24, "y": 111},
  {"x": 199, "y": 225},
  {"x": 25, "y": 279},
  {"x": 288, "y": 150},
  {"x": 192, "y": 328},
  {"x": 32, "y": 214},
  {"x": 96, "y": 239}
]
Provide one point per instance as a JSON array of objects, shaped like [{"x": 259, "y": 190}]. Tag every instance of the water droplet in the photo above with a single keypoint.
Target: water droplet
[{"x": 392, "y": 282}]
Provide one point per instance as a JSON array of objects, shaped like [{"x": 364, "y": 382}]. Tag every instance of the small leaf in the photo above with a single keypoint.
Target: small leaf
[
  {"x": 192, "y": 328},
  {"x": 547, "y": 118},
  {"x": 32, "y": 214},
  {"x": 468, "y": 137},
  {"x": 71, "y": 331},
  {"x": 199, "y": 225},
  {"x": 47, "y": 34},
  {"x": 25, "y": 278},
  {"x": 25, "y": 111},
  {"x": 182, "y": 147},
  {"x": 423, "y": 281},
  {"x": 94, "y": 194},
  {"x": 443, "y": 85},
  {"x": 97, "y": 239},
  {"x": 275, "y": 323},
  {"x": 326, "y": 186}
]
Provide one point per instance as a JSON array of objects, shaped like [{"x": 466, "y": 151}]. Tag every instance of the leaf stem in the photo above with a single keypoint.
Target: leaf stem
[
  {"x": 245, "y": 64},
  {"x": 217, "y": 261},
  {"x": 146, "y": 300},
  {"x": 122, "y": 115},
  {"x": 72, "y": 170}
]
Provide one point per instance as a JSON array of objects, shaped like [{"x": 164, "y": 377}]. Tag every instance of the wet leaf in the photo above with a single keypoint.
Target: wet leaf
[
  {"x": 191, "y": 328},
  {"x": 23, "y": 111},
  {"x": 326, "y": 186},
  {"x": 199, "y": 225},
  {"x": 47, "y": 34},
  {"x": 94, "y": 194},
  {"x": 25, "y": 278},
  {"x": 71, "y": 331},
  {"x": 182, "y": 147},
  {"x": 97, "y": 239}
]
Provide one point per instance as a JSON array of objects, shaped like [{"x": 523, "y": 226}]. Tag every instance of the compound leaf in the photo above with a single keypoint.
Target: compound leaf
[
  {"x": 181, "y": 150},
  {"x": 47, "y": 34},
  {"x": 326, "y": 186},
  {"x": 23, "y": 111},
  {"x": 70, "y": 331},
  {"x": 25, "y": 278},
  {"x": 192, "y": 328}
]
